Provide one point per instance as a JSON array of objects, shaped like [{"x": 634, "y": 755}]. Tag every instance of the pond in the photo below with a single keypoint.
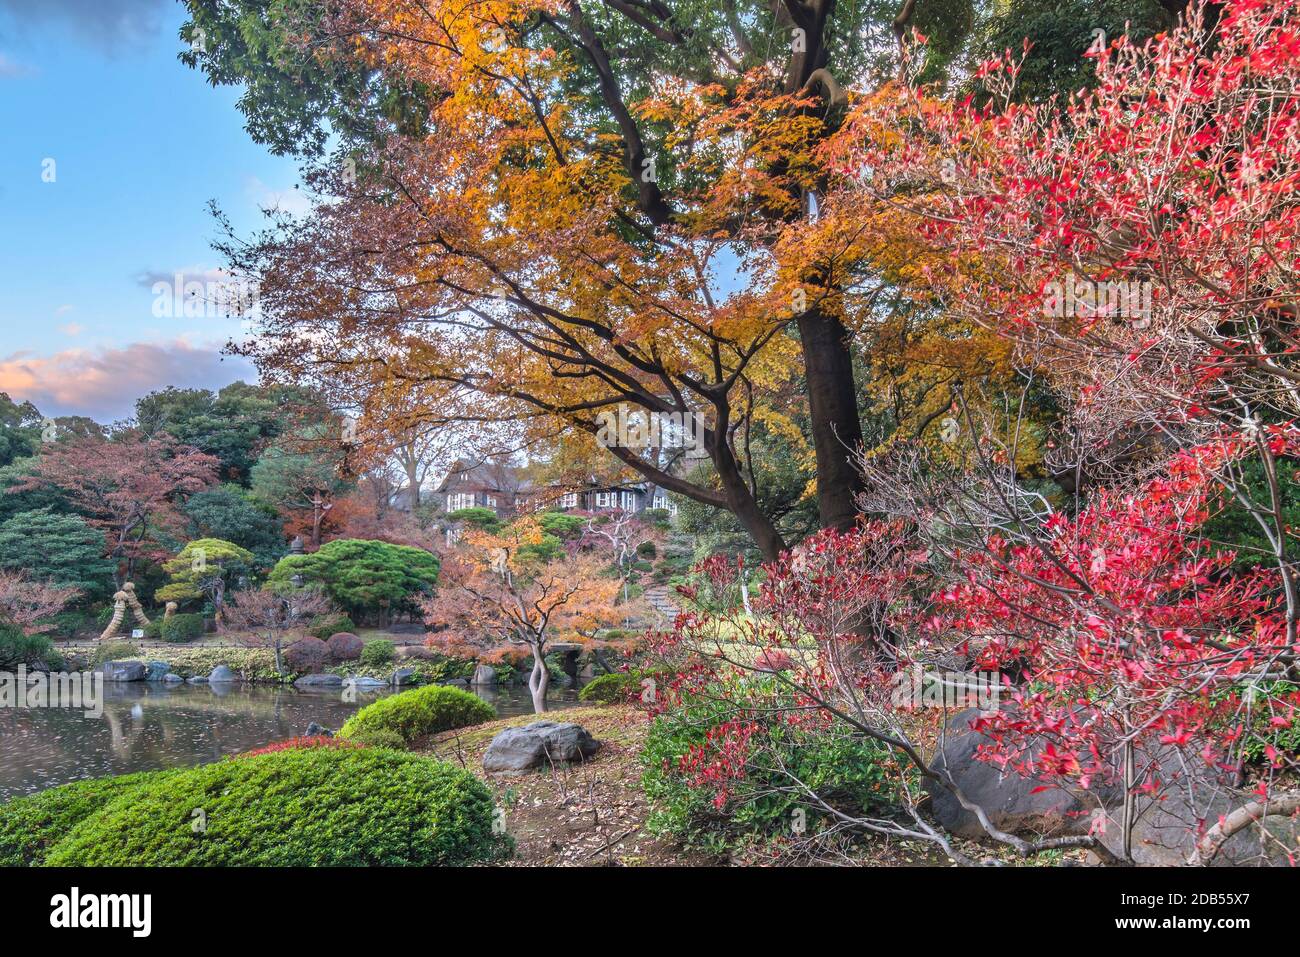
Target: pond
[{"x": 147, "y": 726}]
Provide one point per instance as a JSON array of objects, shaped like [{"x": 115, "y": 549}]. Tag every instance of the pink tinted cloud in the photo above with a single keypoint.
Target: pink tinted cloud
[{"x": 104, "y": 383}]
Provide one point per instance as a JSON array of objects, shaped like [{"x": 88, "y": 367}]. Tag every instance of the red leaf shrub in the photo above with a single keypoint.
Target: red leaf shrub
[
  {"x": 307, "y": 655},
  {"x": 344, "y": 646},
  {"x": 296, "y": 743}
]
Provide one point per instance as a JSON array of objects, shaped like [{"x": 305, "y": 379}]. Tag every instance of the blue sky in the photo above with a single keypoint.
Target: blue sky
[{"x": 140, "y": 144}]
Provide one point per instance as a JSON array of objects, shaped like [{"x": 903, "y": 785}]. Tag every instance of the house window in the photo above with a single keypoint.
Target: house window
[
  {"x": 569, "y": 500},
  {"x": 459, "y": 500},
  {"x": 604, "y": 500},
  {"x": 491, "y": 501},
  {"x": 662, "y": 501},
  {"x": 627, "y": 501}
]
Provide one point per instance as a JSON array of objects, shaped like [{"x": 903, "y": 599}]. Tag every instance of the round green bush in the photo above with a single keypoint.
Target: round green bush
[
  {"x": 613, "y": 687},
  {"x": 311, "y": 807},
  {"x": 182, "y": 627},
  {"x": 31, "y": 825},
  {"x": 327, "y": 625},
  {"x": 414, "y": 714},
  {"x": 378, "y": 653},
  {"x": 114, "y": 650}
]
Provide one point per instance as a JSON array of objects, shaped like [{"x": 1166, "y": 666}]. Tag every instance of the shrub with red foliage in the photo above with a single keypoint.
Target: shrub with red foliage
[
  {"x": 306, "y": 655},
  {"x": 344, "y": 646},
  {"x": 297, "y": 743}
]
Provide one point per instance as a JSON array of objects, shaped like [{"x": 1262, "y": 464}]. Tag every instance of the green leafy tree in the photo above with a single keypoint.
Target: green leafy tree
[
  {"x": 203, "y": 569},
  {"x": 366, "y": 578},
  {"x": 234, "y": 424},
  {"x": 63, "y": 549},
  {"x": 20, "y": 429},
  {"x": 1061, "y": 33},
  {"x": 303, "y": 475},
  {"x": 230, "y": 513},
  {"x": 476, "y": 517}
]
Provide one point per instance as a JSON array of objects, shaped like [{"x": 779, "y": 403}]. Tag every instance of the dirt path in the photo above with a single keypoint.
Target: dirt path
[{"x": 585, "y": 815}]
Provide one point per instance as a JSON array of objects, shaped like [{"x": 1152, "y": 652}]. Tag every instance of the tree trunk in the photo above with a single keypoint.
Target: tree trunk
[
  {"x": 833, "y": 417},
  {"x": 318, "y": 510},
  {"x": 539, "y": 681}
]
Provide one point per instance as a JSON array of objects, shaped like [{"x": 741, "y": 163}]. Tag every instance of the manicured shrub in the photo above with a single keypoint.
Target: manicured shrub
[
  {"x": 306, "y": 656},
  {"x": 613, "y": 687},
  {"x": 646, "y": 550},
  {"x": 562, "y": 524},
  {"x": 31, "y": 825},
  {"x": 303, "y": 741},
  {"x": 19, "y": 649},
  {"x": 643, "y": 567},
  {"x": 362, "y": 577},
  {"x": 378, "y": 653},
  {"x": 378, "y": 738},
  {"x": 302, "y": 807},
  {"x": 182, "y": 627},
  {"x": 119, "y": 650},
  {"x": 345, "y": 646},
  {"x": 327, "y": 625},
  {"x": 424, "y": 711},
  {"x": 476, "y": 517}
]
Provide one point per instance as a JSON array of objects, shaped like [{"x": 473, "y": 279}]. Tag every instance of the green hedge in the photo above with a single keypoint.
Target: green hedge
[
  {"x": 312, "y": 807},
  {"x": 115, "y": 649},
  {"x": 613, "y": 687},
  {"x": 31, "y": 825},
  {"x": 378, "y": 653},
  {"x": 414, "y": 714},
  {"x": 182, "y": 627}
]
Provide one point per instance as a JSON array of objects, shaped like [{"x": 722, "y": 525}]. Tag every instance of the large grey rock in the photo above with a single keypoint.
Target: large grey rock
[
  {"x": 362, "y": 683},
  {"x": 315, "y": 730},
  {"x": 173, "y": 679},
  {"x": 1013, "y": 803},
  {"x": 319, "y": 681},
  {"x": 532, "y": 746},
  {"x": 456, "y": 683},
  {"x": 404, "y": 676},
  {"x": 222, "y": 674},
  {"x": 484, "y": 675},
  {"x": 124, "y": 670},
  {"x": 157, "y": 670},
  {"x": 1165, "y": 826},
  {"x": 1194, "y": 796},
  {"x": 197, "y": 680}
]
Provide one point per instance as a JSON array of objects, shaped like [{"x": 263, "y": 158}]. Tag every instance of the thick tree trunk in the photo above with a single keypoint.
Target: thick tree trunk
[
  {"x": 741, "y": 501},
  {"x": 539, "y": 681},
  {"x": 833, "y": 413}
]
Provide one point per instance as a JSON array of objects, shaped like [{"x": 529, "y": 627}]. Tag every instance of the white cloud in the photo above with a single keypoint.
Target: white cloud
[{"x": 104, "y": 383}]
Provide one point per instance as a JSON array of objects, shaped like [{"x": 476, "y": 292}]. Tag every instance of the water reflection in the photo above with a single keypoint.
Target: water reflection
[{"x": 149, "y": 726}]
